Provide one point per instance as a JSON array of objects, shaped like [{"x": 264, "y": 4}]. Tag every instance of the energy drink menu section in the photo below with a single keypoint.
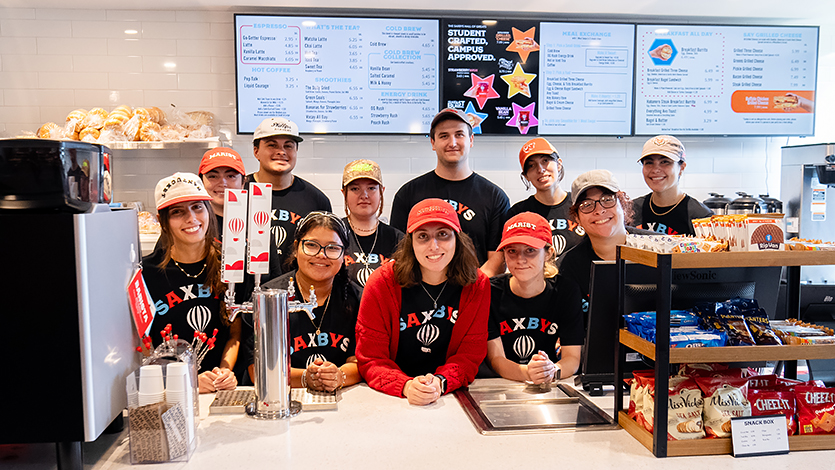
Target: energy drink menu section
[
  {"x": 725, "y": 80},
  {"x": 357, "y": 75}
]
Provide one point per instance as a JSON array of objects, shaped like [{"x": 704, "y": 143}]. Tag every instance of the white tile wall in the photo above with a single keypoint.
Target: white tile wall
[{"x": 55, "y": 60}]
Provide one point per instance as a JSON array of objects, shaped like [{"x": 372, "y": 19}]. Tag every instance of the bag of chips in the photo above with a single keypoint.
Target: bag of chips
[
  {"x": 725, "y": 398},
  {"x": 815, "y": 409},
  {"x": 772, "y": 402},
  {"x": 684, "y": 413},
  {"x": 636, "y": 393}
]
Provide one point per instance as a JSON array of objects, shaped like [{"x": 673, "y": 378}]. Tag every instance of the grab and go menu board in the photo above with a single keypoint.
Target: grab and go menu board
[
  {"x": 739, "y": 80},
  {"x": 354, "y": 75},
  {"x": 527, "y": 77}
]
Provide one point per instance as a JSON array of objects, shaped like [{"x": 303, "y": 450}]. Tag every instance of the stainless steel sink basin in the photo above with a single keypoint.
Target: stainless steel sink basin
[{"x": 505, "y": 407}]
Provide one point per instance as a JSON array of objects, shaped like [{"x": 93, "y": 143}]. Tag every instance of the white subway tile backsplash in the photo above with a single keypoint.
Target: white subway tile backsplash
[
  {"x": 107, "y": 63},
  {"x": 715, "y": 180},
  {"x": 344, "y": 150},
  {"x": 76, "y": 80},
  {"x": 166, "y": 30},
  {"x": 70, "y": 14},
  {"x": 71, "y": 46},
  {"x": 596, "y": 150},
  {"x": 188, "y": 100},
  {"x": 143, "y": 81},
  {"x": 142, "y": 47},
  {"x": 35, "y": 98},
  {"x": 205, "y": 16},
  {"x": 223, "y": 64},
  {"x": 109, "y": 98},
  {"x": 19, "y": 113},
  {"x": 141, "y": 15},
  {"x": 17, "y": 79},
  {"x": 20, "y": 13},
  {"x": 222, "y": 31},
  {"x": 35, "y": 28},
  {"x": 179, "y": 64},
  {"x": 28, "y": 46},
  {"x": 206, "y": 81},
  {"x": 206, "y": 47},
  {"x": 104, "y": 29},
  {"x": 37, "y": 63}
]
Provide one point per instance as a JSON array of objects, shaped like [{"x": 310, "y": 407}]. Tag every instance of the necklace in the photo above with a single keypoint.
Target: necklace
[
  {"x": 364, "y": 256},
  {"x": 668, "y": 210},
  {"x": 187, "y": 274},
  {"x": 321, "y": 320},
  {"x": 362, "y": 230},
  {"x": 434, "y": 299}
]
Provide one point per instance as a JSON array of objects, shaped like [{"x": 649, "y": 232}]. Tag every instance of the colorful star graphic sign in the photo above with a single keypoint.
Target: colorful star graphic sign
[
  {"x": 523, "y": 43},
  {"x": 523, "y": 118},
  {"x": 518, "y": 81},
  {"x": 482, "y": 89},
  {"x": 474, "y": 117}
]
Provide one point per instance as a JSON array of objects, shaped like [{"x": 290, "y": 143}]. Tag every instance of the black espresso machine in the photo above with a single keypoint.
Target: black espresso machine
[{"x": 67, "y": 260}]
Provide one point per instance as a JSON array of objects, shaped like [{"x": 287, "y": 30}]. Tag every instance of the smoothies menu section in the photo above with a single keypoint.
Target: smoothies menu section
[
  {"x": 725, "y": 80},
  {"x": 337, "y": 74}
]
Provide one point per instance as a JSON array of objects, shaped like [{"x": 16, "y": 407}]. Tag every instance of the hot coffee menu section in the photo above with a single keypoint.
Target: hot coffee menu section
[
  {"x": 725, "y": 80},
  {"x": 357, "y": 75}
]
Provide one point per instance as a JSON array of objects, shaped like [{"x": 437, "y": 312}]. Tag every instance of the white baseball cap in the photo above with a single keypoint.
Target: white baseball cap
[
  {"x": 179, "y": 187},
  {"x": 277, "y": 126}
]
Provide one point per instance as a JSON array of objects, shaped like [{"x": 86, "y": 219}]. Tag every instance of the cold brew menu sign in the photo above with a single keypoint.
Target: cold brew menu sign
[
  {"x": 356, "y": 75},
  {"x": 725, "y": 80}
]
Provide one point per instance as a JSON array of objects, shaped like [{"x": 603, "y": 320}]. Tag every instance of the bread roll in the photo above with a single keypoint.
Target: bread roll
[
  {"x": 133, "y": 125},
  {"x": 89, "y": 134},
  {"x": 202, "y": 118},
  {"x": 114, "y": 121},
  {"x": 127, "y": 110},
  {"x": 149, "y": 132},
  {"x": 48, "y": 130},
  {"x": 95, "y": 118},
  {"x": 157, "y": 115},
  {"x": 142, "y": 112},
  {"x": 75, "y": 119}
]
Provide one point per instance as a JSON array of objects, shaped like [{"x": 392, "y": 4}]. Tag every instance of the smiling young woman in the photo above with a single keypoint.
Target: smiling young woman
[
  {"x": 183, "y": 278},
  {"x": 422, "y": 327}
]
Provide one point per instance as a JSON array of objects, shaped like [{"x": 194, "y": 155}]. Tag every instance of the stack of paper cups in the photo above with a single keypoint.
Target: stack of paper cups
[
  {"x": 151, "y": 389},
  {"x": 133, "y": 393},
  {"x": 178, "y": 390}
]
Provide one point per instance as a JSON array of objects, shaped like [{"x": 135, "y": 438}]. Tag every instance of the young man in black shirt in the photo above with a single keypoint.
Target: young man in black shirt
[{"x": 480, "y": 204}]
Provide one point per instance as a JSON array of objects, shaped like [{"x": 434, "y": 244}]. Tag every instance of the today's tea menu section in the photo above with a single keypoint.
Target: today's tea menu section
[
  {"x": 725, "y": 80},
  {"x": 359, "y": 75}
]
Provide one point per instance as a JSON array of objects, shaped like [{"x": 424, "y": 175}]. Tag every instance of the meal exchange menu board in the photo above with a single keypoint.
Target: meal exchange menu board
[
  {"x": 725, "y": 80},
  {"x": 352, "y": 75}
]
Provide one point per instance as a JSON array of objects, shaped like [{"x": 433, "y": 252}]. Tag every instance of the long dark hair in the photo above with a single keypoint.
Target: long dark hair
[
  {"x": 461, "y": 270},
  {"x": 553, "y": 156},
  {"x": 341, "y": 282},
  {"x": 211, "y": 254}
]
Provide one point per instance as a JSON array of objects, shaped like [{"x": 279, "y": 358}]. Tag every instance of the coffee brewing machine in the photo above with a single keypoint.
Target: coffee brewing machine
[{"x": 246, "y": 240}]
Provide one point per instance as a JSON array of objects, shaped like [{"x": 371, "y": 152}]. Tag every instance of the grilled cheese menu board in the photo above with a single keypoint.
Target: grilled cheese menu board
[
  {"x": 725, "y": 80},
  {"x": 357, "y": 75}
]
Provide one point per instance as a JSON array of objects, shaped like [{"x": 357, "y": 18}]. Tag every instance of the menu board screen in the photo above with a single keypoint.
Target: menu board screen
[
  {"x": 352, "y": 75},
  {"x": 725, "y": 80}
]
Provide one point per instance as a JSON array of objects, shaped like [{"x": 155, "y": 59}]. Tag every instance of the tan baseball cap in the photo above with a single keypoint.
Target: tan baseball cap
[
  {"x": 277, "y": 126},
  {"x": 359, "y": 169},
  {"x": 665, "y": 145},
  {"x": 589, "y": 179}
]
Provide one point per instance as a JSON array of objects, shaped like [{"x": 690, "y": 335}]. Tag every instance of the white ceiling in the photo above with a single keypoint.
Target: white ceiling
[{"x": 786, "y": 12}]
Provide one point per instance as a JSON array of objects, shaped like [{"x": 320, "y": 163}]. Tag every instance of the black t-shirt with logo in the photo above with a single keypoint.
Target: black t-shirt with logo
[
  {"x": 565, "y": 233},
  {"x": 675, "y": 222},
  {"x": 481, "y": 206},
  {"x": 335, "y": 341},
  {"x": 424, "y": 332},
  {"x": 364, "y": 254},
  {"x": 289, "y": 206},
  {"x": 185, "y": 303},
  {"x": 530, "y": 325}
]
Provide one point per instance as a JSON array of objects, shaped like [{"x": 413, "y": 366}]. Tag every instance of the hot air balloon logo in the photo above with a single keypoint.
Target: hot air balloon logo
[
  {"x": 279, "y": 234},
  {"x": 523, "y": 346},
  {"x": 427, "y": 334},
  {"x": 312, "y": 359},
  {"x": 558, "y": 242},
  {"x": 236, "y": 226},
  {"x": 198, "y": 317},
  {"x": 261, "y": 219},
  {"x": 362, "y": 275}
]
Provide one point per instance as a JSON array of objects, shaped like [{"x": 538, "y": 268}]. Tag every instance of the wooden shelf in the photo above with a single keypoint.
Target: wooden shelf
[
  {"x": 715, "y": 446},
  {"x": 730, "y": 259},
  {"x": 731, "y": 353}
]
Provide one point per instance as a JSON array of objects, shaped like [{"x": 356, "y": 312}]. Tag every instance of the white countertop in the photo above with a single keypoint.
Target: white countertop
[{"x": 371, "y": 430}]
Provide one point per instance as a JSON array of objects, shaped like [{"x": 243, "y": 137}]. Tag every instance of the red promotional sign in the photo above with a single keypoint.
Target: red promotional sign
[{"x": 141, "y": 304}]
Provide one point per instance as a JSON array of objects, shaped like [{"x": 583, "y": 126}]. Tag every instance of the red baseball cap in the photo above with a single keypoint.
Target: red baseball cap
[
  {"x": 221, "y": 156},
  {"x": 527, "y": 228},
  {"x": 432, "y": 210},
  {"x": 535, "y": 147}
]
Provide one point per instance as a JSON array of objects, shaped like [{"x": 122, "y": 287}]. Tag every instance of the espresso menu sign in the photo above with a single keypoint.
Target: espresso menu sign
[
  {"x": 360, "y": 75},
  {"x": 741, "y": 80},
  {"x": 490, "y": 71}
]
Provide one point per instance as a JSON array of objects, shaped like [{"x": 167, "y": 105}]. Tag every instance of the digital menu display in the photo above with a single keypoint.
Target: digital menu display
[
  {"x": 725, "y": 80},
  {"x": 353, "y": 75},
  {"x": 585, "y": 82}
]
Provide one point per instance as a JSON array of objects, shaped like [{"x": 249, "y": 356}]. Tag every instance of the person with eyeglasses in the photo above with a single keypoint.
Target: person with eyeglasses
[
  {"x": 321, "y": 349},
  {"x": 422, "y": 326},
  {"x": 604, "y": 211},
  {"x": 536, "y": 330}
]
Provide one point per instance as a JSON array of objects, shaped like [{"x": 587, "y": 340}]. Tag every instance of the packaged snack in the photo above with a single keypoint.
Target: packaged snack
[
  {"x": 758, "y": 325},
  {"x": 636, "y": 390},
  {"x": 648, "y": 409},
  {"x": 815, "y": 409},
  {"x": 725, "y": 398},
  {"x": 771, "y": 402},
  {"x": 697, "y": 339},
  {"x": 684, "y": 413},
  {"x": 701, "y": 369},
  {"x": 760, "y": 382},
  {"x": 765, "y": 232}
]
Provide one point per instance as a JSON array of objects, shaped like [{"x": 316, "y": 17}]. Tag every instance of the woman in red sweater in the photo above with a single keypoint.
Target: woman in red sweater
[{"x": 422, "y": 326}]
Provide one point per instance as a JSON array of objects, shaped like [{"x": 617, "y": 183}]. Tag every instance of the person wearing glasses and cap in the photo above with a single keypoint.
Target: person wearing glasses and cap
[
  {"x": 667, "y": 209},
  {"x": 183, "y": 278},
  {"x": 372, "y": 241},
  {"x": 542, "y": 168},
  {"x": 321, "y": 349},
  {"x": 481, "y": 205},
  {"x": 532, "y": 295},
  {"x": 422, "y": 326},
  {"x": 275, "y": 146}
]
